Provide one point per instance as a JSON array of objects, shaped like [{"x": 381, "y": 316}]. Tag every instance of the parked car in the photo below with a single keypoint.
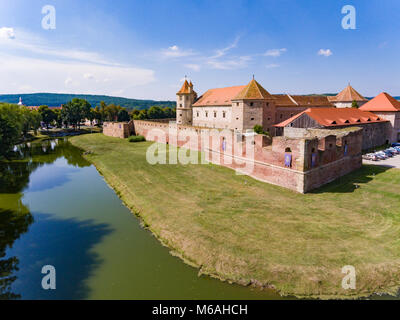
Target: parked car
[
  {"x": 370, "y": 156},
  {"x": 381, "y": 155},
  {"x": 397, "y": 144},
  {"x": 397, "y": 148},
  {"x": 393, "y": 150},
  {"x": 388, "y": 153}
]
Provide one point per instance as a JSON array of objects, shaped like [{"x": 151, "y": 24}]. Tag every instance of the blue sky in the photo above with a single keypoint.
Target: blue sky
[{"x": 143, "y": 49}]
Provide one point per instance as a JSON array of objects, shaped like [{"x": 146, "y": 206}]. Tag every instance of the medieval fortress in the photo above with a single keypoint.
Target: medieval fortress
[{"x": 308, "y": 140}]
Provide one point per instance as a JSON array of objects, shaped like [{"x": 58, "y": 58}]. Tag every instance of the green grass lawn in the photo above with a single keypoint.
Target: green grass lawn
[{"x": 242, "y": 230}]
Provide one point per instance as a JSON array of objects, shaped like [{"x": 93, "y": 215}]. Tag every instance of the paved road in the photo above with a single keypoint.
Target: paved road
[{"x": 393, "y": 162}]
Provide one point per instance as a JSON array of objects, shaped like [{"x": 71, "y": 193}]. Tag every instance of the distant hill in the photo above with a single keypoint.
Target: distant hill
[{"x": 57, "y": 99}]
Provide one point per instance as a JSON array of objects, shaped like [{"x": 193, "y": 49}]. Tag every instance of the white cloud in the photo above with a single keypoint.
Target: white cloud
[
  {"x": 224, "y": 51},
  {"x": 325, "y": 52},
  {"x": 44, "y": 75},
  {"x": 88, "y": 76},
  {"x": 68, "y": 81},
  {"x": 275, "y": 52},
  {"x": 37, "y": 66},
  {"x": 194, "y": 67},
  {"x": 229, "y": 64},
  {"x": 176, "y": 52},
  {"x": 272, "y": 65},
  {"x": 7, "y": 33},
  {"x": 29, "y": 43},
  {"x": 222, "y": 61}
]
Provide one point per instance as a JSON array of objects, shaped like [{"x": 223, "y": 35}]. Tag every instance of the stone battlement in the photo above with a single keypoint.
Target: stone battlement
[{"x": 118, "y": 129}]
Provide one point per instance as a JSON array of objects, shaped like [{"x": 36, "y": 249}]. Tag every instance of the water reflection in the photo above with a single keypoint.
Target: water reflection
[
  {"x": 12, "y": 225},
  {"x": 15, "y": 217}
]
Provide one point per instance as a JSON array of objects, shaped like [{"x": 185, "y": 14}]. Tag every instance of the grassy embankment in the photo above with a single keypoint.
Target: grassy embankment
[{"x": 242, "y": 230}]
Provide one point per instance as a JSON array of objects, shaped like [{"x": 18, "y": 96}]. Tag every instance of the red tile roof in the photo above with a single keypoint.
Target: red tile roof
[
  {"x": 382, "y": 102},
  {"x": 334, "y": 117},
  {"x": 253, "y": 91},
  {"x": 348, "y": 94},
  {"x": 218, "y": 96},
  {"x": 185, "y": 88}
]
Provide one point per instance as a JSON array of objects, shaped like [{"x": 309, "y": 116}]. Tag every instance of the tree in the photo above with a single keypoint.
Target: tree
[
  {"x": 135, "y": 113},
  {"x": 354, "y": 104},
  {"x": 30, "y": 120},
  {"x": 259, "y": 130},
  {"x": 168, "y": 113},
  {"x": 103, "y": 111},
  {"x": 75, "y": 111},
  {"x": 97, "y": 115},
  {"x": 123, "y": 115},
  {"x": 58, "y": 118},
  {"x": 11, "y": 123},
  {"x": 155, "y": 112},
  {"x": 48, "y": 116},
  {"x": 112, "y": 112},
  {"x": 142, "y": 115}
]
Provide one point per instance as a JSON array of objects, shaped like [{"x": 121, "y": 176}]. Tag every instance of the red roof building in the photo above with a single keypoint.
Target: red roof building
[
  {"x": 383, "y": 102},
  {"x": 333, "y": 117},
  {"x": 376, "y": 128},
  {"x": 384, "y": 105},
  {"x": 345, "y": 98}
]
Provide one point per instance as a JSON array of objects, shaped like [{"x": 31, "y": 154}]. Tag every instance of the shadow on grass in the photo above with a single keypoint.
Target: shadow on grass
[
  {"x": 351, "y": 181},
  {"x": 66, "y": 244}
]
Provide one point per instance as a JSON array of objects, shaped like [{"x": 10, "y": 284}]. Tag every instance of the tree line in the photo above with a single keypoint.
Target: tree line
[
  {"x": 78, "y": 110},
  {"x": 17, "y": 121}
]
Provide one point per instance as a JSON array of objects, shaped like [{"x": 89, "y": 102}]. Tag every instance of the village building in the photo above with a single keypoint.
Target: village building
[
  {"x": 375, "y": 128},
  {"x": 346, "y": 97},
  {"x": 387, "y": 107}
]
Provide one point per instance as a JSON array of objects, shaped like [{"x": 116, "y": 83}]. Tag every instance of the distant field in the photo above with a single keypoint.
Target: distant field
[
  {"x": 56, "y": 99},
  {"x": 239, "y": 229}
]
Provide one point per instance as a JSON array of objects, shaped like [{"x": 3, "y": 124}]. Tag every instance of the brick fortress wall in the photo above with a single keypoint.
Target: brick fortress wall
[
  {"x": 118, "y": 129},
  {"x": 314, "y": 161}
]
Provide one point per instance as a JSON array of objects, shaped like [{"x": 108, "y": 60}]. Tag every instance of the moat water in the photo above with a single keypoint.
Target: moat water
[{"x": 56, "y": 209}]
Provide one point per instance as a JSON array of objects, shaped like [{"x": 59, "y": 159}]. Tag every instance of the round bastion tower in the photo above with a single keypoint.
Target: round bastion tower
[{"x": 184, "y": 101}]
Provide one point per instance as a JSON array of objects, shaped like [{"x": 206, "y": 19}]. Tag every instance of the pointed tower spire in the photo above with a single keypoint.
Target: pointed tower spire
[{"x": 253, "y": 90}]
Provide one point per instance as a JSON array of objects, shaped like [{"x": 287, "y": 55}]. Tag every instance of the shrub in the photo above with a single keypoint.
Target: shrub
[
  {"x": 259, "y": 129},
  {"x": 136, "y": 139}
]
